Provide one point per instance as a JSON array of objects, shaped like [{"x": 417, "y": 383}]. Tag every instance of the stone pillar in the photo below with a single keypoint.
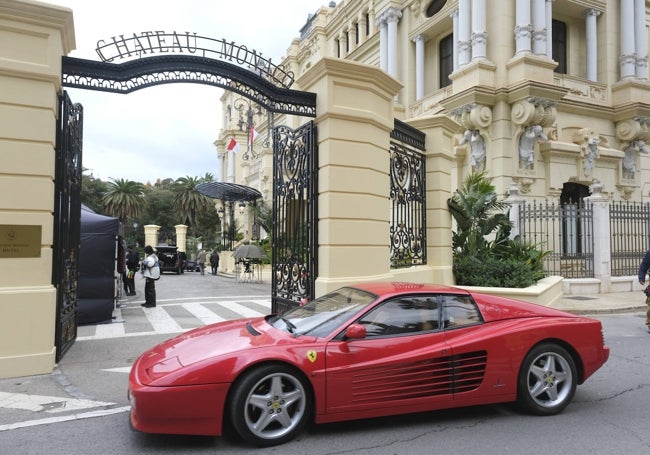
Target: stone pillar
[
  {"x": 523, "y": 28},
  {"x": 549, "y": 28},
  {"x": 355, "y": 117},
  {"x": 151, "y": 235},
  {"x": 393, "y": 17},
  {"x": 539, "y": 27},
  {"x": 602, "y": 236},
  {"x": 640, "y": 40},
  {"x": 419, "y": 66},
  {"x": 628, "y": 52},
  {"x": 383, "y": 43},
  {"x": 592, "y": 44},
  {"x": 479, "y": 33},
  {"x": 454, "y": 17},
  {"x": 464, "y": 43},
  {"x": 515, "y": 202},
  {"x": 181, "y": 237},
  {"x": 34, "y": 37}
]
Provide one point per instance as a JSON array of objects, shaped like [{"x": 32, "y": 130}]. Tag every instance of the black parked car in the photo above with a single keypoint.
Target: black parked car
[{"x": 169, "y": 259}]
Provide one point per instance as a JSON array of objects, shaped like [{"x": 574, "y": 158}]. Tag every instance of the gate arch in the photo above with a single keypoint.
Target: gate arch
[{"x": 146, "y": 72}]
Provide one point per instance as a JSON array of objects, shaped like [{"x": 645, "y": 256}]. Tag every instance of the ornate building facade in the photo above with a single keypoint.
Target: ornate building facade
[{"x": 548, "y": 94}]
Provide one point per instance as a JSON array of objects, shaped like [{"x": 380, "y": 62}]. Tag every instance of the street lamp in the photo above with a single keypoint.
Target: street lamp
[
  {"x": 242, "y": 207},
  {"x": 249, "y": 109}
]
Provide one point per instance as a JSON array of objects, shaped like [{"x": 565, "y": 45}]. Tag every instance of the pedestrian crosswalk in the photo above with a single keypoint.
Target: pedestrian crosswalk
[{"x": 175, "y": 316}]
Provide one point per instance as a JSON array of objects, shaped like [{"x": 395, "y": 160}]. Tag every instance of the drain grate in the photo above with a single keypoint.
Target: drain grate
[{"x": 580, "y": 297}]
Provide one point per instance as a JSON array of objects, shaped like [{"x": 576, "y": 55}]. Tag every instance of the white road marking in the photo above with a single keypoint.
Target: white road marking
[
  {"x": 118, "y": 370},
  {"x": 50, "y": 420},
  {"x": 161, "y": 321},
  {"x": 48, "y": 404},
  {"x": 202, "y": 313}
]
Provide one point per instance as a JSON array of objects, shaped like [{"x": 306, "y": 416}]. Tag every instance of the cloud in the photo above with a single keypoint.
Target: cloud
[{"x": 168, "y": 131}]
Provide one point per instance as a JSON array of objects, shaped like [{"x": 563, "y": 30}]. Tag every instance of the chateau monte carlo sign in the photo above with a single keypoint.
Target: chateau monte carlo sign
[{"x": 140, "y": 45}]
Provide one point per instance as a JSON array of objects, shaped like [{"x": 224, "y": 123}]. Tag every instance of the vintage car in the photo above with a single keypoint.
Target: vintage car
[{"x": 363, "y": 351}]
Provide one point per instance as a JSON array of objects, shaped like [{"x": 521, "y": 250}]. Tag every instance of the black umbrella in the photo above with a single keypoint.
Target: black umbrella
[{"x": 249, "y": 251}]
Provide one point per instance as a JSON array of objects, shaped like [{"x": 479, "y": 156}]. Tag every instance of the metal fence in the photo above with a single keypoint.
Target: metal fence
[
  {"x": 629, "y": 224},
  {"x": 566, "y": 230}
]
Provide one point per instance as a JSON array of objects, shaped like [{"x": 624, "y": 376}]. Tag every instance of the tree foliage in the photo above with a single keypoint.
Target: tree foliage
[
  {"x": 124, "y": 198},
  {"x": 483, "y": 252}
]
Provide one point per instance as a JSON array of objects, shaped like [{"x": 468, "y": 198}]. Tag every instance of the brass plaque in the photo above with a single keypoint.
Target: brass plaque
[{"x": 20, "y": 241}]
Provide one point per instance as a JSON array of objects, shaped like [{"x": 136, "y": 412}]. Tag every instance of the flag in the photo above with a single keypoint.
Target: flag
[
  {"x": 233, "y": 145},
  {"x": 253, "y": 134}
]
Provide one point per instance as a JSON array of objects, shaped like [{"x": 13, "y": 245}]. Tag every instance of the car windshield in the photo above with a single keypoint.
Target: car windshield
[{"x": 323, "y": 315}]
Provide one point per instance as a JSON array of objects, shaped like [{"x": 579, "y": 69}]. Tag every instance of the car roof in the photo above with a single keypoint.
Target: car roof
[{"x": 396, "y": 287}]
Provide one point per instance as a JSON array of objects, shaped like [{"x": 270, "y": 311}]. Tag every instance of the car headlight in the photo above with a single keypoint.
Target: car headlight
[{"x": 164, "y": 367}]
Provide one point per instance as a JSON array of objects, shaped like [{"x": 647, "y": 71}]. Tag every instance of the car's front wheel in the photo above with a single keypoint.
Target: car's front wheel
[
  {"x": 547, "y": 380},
  {"x": 270, "y": 405}
]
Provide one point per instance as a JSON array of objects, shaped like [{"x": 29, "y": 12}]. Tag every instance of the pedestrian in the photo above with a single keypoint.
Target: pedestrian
[
  {"x": 643, "y": 270},
  {"x": 151, "y": 273},
  {"x": 214, "y": 261},
  {"x": 201, "y": 260},
  {"x": 132, "y": 261}
]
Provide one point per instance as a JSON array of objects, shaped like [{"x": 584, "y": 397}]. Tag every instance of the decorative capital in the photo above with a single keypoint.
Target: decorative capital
[
  {"x": 534, "y": 111},
  {"x": 473, "y": 116}
]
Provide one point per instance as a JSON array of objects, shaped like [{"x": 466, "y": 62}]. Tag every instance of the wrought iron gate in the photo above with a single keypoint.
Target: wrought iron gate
[
  {"x": 67, "y": 221},
  {"x": 295, "y": 162}
]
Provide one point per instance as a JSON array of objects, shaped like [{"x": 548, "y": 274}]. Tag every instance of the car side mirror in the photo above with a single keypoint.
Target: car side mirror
[{"x": 356, "y": 332}]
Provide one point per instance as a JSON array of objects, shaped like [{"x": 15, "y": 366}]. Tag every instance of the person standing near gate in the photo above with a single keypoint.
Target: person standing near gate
[
  {"x": 214, "y": 261},
  {"x": 643, "y": 270},
  {"x": 201, "y": 260},
  {"x": 131, "y": 268},
  {"x": 151, "y": 273}
]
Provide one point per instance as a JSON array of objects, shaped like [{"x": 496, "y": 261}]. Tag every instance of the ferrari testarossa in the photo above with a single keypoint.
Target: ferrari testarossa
[{"x": 363, "y": 351}]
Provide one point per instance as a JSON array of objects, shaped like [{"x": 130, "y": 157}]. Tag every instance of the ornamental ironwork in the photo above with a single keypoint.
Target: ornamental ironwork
[
  {"x": 67, "y": 222},
  {"x": 408, "y": 198},
  {"x": 134, "y": 75},
  {"x": 295, "y": 215}
]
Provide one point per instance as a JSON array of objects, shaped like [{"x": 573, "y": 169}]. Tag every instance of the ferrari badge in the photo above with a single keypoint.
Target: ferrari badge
[{"x": 311, "y": 355}]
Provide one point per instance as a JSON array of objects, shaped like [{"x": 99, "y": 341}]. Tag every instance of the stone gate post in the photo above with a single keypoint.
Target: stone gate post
[
  {"x": 602, "y": 236},
  {"x": 355, "y": 118},
  {"x": 34, "y": 36}
]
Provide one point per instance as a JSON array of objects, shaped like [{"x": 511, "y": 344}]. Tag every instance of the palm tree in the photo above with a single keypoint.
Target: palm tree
[
  {"x": 124, "y": 198},
  {"x": 188, "y": 201},
  {"x": 478, "y": 213}
]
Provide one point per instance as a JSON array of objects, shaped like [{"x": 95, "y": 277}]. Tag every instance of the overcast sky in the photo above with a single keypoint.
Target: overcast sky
[{"x": 168, "y": 131}]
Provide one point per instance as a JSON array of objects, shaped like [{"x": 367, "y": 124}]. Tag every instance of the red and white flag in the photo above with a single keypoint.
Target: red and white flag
[
  {"x": 253, "y": 134},
  {"x": 233, "y": 145}
]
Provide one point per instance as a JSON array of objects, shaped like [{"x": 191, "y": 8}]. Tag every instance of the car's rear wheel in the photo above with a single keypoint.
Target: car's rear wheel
[
  {"x": 547, "y": 380},
  {"x": 270, "y": 405}
]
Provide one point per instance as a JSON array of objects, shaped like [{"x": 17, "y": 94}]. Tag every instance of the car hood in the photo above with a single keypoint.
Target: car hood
[{"x": 228, "y": 340}]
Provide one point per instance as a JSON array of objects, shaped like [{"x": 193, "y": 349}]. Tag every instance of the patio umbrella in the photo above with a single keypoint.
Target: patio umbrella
[{"x": 249, "y": 251}]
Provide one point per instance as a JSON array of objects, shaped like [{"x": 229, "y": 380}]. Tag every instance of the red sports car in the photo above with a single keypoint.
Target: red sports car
[{"x": 363, "y": 351}]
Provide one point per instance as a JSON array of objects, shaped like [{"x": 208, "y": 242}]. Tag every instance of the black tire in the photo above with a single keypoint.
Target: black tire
[
  {"x": 270, "y": 405},
  {"x": 547, "y": 380}
]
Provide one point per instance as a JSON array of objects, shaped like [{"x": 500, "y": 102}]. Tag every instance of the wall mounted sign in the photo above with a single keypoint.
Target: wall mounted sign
[
  {"x": 20, "y": 241},
  {"x": 140, "y": 45}
]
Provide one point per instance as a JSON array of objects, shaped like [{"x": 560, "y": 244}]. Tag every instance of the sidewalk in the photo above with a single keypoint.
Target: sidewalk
[{"x": 615, "y": 302}]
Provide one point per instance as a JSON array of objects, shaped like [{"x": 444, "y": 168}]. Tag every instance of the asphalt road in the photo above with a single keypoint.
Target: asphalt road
[{"x": 82, "y": 409}]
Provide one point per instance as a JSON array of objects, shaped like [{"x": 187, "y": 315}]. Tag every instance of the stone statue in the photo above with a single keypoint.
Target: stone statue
[
  {"x": 629, "y": 161},
  {"x": 527, "y": 141},
  {"x": 477, "y": 146}
]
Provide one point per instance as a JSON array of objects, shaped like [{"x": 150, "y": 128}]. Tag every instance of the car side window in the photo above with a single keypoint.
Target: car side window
[
  {"x": 459, "y": 311},
  {"x": 404, "y": 315}
]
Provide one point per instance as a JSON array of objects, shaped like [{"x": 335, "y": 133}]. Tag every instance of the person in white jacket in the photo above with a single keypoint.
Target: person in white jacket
[{"x": 150, "y": 272}]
